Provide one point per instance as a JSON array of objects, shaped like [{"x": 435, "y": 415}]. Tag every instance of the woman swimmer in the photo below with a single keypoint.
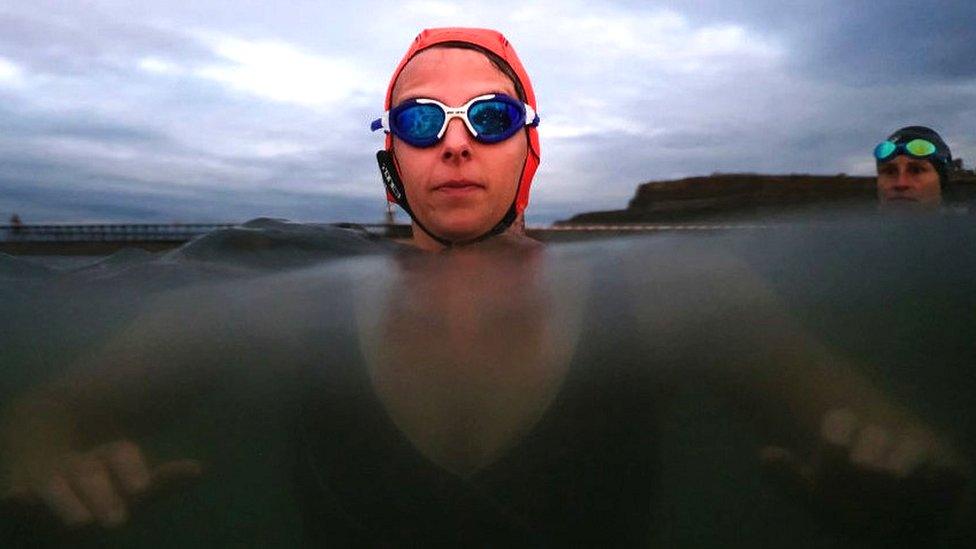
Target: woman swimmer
[
  {"x": 462, "y": 145},
  {"x": 913, "y": 167},
  {"x": 461, "y": 181}
]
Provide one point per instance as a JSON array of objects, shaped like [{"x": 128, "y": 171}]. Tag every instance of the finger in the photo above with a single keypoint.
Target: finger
[
  {"x": 127, "y": 465},
  {"x": 907, "y": 455},
  {"x": 838, "y": 431},
  {"x": 61, "y": 499},
  {"x": 91, "y": 480},
  {"x": 839, "y": 427},
  {"x": 870, "y": 447}
]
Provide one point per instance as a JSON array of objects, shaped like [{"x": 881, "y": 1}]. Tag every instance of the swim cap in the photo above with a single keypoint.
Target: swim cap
[
  {"x": 942, "y": 157},
  {"x": 494, "y": 42}
]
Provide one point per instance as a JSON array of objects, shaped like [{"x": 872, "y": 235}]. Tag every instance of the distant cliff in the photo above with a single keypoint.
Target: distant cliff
[{"x": 739, "y": 197}]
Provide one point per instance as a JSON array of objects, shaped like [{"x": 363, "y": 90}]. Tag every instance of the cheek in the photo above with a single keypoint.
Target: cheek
[
  {"x": 413, "y": 165},
  {"x": 931, "y": 182},
  {"x": 887, "y": 186},
  {"x": 886, "y": 181},
  {"x": 512, "y": 160}
]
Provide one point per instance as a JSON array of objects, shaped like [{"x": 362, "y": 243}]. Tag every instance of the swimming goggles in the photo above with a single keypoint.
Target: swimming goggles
[
  {"x": 919, "y": 148},
  {"x": 490, "y": 118}
]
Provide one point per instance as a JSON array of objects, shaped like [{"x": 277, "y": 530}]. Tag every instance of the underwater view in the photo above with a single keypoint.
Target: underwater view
[{"x": 277, "y": 384}]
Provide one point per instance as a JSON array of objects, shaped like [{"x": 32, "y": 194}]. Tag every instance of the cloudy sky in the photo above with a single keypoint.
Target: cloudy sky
[{"x": 158, "y": 111}]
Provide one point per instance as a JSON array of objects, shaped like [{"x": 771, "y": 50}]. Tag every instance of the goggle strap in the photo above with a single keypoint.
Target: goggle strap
[
  {"x": 391, "y": 179},
  {"x": 531, "y": 118},
  {"x": 381, "y": 123}
]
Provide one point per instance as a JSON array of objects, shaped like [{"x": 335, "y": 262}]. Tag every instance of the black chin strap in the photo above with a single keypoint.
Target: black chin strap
[{"x": 391, "y": 180}]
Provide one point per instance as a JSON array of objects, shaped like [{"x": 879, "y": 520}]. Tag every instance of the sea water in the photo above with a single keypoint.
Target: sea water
[{"x": 210, "y": 351}]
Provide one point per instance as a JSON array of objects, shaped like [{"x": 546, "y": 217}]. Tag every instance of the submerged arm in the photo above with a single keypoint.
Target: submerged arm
[
  {"x": 71, "y": 444},
  {"x": 846, "y": 444}
]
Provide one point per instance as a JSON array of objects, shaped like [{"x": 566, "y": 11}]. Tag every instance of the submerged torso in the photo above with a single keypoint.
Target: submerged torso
[{"x": 497, "y": 428}]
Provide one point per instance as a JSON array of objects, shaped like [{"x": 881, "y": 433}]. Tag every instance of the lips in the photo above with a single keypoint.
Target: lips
[{"x": 458, "y": 186}]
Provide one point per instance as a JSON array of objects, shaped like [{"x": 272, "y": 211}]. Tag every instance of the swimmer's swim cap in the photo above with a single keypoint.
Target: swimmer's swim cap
[
  {"x": 942, "y": 157},
  {"x": 494, "y": 42}
]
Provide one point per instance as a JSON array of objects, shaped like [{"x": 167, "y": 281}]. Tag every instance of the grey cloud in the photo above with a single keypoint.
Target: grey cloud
[
  {"x": 82, "y": 40},
  {"x": 898, "y": 41},
  {"x": 106, "y": 132},
  {"x": 73, "y": 200},
  {"x": 862, "y": 42},
  {"x": 76, "y": 125}
]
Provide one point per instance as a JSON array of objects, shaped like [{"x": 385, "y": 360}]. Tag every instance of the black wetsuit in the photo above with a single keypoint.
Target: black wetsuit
[{"x": 583, "y": 476}]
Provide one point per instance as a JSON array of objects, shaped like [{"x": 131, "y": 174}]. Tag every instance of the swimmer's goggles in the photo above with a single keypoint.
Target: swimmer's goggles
[
  {"x": 919, "y": 148},
  {"x": 490, "y": 118}
]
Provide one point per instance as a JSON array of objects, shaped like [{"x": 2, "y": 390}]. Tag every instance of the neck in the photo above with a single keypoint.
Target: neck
[
  {"x": 513, "y": 235},
  {"x": 424, "y": 241}
]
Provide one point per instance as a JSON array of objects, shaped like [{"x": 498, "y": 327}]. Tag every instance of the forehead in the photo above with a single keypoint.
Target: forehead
[
  {"x": 905, "y": 161},
  {"x": 450, "y": 75}
]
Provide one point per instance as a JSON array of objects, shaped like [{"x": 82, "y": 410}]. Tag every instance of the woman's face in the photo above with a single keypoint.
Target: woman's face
[
  {"x": 458, "y": 188},
  {"x": 908, "y": 180}
]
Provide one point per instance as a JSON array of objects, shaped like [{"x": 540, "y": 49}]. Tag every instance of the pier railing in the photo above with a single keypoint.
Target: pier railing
[
  {"x": 170, "y": 232},
  {"x": 98, "y": 239}
]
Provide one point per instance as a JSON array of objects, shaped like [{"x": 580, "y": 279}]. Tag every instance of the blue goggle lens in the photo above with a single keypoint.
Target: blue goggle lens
[
  {"x": 495, "y": 120},
  {"x": 419, "y": 123},
  {"x": 884, "y": 150}
]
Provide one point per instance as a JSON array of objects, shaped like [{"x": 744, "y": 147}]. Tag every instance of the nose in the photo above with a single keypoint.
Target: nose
[
  {"x": 903, "y": 183},
  {"x": 456, "y": 145}
]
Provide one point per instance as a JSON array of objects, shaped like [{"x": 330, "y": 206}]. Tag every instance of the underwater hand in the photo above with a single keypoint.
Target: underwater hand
[
  {"x": 100, "y": 484},
  {"x": 877, "y": 480}
]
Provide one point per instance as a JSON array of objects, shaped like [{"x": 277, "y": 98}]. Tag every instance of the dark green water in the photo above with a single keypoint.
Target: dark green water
[{"x": 341, "y": 391}]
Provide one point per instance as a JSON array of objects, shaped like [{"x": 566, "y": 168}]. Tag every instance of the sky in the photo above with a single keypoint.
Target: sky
[{"x": 222, "y": 111}]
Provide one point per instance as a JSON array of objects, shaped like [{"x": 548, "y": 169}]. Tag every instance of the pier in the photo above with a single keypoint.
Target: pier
[{"x": 104, "y": 239}]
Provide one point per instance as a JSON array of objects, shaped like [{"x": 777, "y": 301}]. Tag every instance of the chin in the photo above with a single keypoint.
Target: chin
[
  {"x": 911, "y": 204},
  {"x": 462, "y": 227}
]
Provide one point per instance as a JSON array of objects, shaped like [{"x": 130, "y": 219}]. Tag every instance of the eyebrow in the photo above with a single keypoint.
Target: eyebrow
[
  {"x": 422, "y": 96},
  {"x": 914, "y": 162}
]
